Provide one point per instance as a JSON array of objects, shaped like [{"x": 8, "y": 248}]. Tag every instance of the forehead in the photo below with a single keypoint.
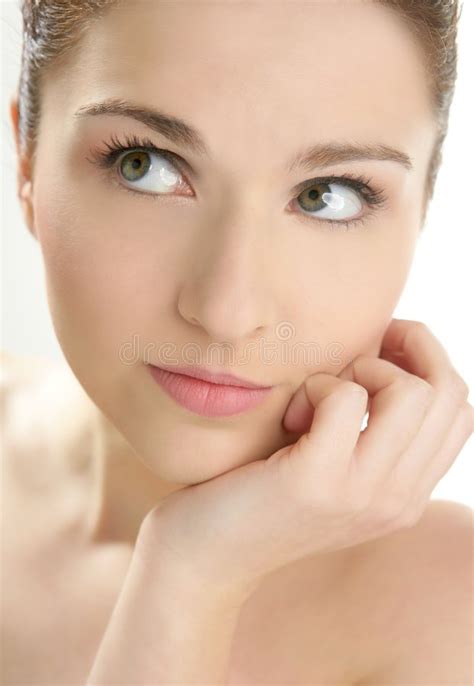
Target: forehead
[{"x": 274, "y": 73}]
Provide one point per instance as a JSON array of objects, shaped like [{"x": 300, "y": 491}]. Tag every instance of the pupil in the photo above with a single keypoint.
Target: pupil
[
  {"x": 313, "y": 195},
  {"x": 136, "y": 163}
]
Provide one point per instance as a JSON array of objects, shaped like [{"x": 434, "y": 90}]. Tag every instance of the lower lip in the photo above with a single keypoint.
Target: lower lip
[{"x": 208, "y": 399}]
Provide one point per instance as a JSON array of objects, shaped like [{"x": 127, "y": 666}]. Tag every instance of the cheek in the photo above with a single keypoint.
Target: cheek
[
  {"x": 346, "y": 300},
  {"x": 104, "y": 286}
]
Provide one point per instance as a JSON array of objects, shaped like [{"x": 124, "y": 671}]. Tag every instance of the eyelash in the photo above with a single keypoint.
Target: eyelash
[{"x": 374, "y": 198}]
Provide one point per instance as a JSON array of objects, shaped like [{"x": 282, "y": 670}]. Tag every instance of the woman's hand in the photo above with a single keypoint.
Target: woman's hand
[{"x": 336, "y": 486}]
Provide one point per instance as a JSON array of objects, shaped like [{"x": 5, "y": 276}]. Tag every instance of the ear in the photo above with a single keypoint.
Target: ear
[{"x": 24, "y": 182}]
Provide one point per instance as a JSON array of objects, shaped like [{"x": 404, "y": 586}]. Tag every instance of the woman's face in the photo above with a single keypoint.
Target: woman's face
[{"x": 234, "y": 265}]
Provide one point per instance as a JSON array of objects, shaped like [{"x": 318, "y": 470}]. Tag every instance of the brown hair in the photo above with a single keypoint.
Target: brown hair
[{"x": 52, "y": 31}]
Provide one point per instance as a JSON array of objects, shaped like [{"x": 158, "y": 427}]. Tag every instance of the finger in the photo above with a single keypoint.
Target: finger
[
  {"x": 397, "y": 358},
  {"x": 461, "y": 430},
  {"x": 421, "y": 350},
  {"x": 413, "y": 346},
  {"x": 338, "y": 408},
  {"x": 422, "y": 354},
  {"x": 299, "y": 413},
  {"x": 400, "y": 402},
  {"x": 413, "y": 343},
  {"x": 434, "y": 431}
]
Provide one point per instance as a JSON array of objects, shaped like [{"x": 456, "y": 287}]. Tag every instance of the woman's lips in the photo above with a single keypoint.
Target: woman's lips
[{"x": 205, "y": 398}]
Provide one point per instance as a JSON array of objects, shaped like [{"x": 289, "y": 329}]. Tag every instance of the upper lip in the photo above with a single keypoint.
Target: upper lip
[{"x": 211, "y": 377}]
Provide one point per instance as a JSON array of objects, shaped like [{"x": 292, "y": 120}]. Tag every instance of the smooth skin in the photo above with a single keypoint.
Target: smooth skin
[
  {"x": 227, "y": 258},
  {"x": 340, "y": 488}
]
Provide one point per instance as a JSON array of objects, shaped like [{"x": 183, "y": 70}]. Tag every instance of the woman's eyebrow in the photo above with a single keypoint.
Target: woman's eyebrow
[{"x": 184, "y": 134}]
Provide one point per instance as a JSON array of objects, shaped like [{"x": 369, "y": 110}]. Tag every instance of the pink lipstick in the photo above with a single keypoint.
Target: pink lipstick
[{"x": 223, "y": 396}]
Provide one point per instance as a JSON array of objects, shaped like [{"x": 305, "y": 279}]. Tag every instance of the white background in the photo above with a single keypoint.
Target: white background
[{"x": 439, "y": 290}]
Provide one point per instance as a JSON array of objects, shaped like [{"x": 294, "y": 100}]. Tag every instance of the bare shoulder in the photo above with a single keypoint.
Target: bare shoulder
[
  {"x": 44, "y": 412},
  {"x": 46, "y": 433},
  {"x": 425, "y": 575},
  {"x": 18, "y": 377},
  {"x": 16, "y": 370}
]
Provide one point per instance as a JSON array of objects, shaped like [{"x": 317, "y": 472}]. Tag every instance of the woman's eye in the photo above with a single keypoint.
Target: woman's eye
[
  {"x": 149, "y": 172},
  {"x": 330, "y": 201}
]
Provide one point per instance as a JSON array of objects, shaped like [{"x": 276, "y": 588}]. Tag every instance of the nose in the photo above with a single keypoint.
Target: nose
[{"x": 226, "y": 290}]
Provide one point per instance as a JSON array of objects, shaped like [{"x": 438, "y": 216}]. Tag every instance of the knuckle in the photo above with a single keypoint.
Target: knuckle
[
  {"x": 467, "y": 411},
  {"x": 401, "y": 489},
  {"x": 394, "y": 505},
  {"x": 386, "y": 515},
  {"x": 386, "y": 512},
  {"x": 416, "y": 384},
  {"x": 420, "y": 327},
  {"x": 359, "y": 500},
  {"x": 411, "y": 516},
  {"x": 457, "y": 386},
  {"x": 356, "y": 389}
]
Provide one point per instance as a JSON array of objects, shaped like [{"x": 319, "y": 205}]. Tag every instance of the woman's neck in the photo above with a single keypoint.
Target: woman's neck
[{"x": 121, "y": 488}]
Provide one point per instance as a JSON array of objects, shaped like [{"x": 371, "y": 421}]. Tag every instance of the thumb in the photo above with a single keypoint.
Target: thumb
[
  {"x": 299, "y": 413},
  {"x": 347, "y": 374}
]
